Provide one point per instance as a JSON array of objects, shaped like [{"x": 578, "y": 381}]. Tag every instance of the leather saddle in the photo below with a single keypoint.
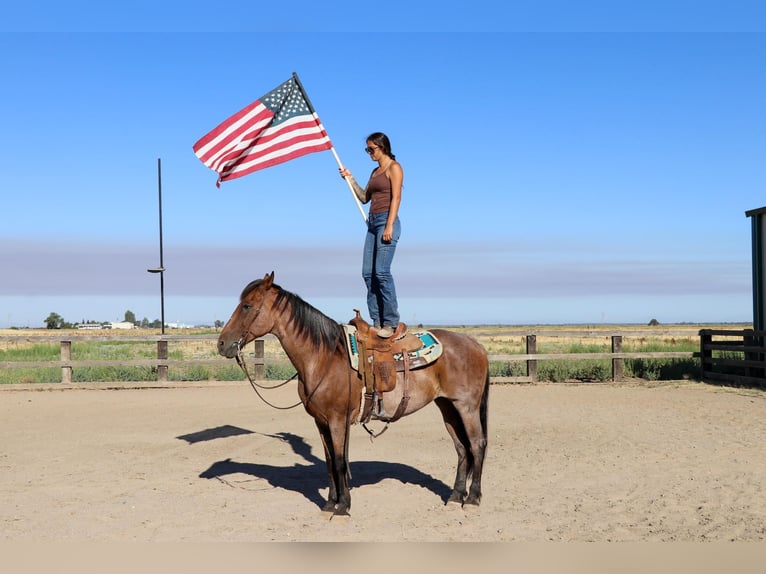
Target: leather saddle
[{"x": 379, "y": 361}]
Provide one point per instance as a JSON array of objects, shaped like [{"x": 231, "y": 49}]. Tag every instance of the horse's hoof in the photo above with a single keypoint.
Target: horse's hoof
[
  {"x": 472, "y": 501},
  {"x": 341, "y": 511},
  {"x": 455, "y": 498},
  {"x": 329, "y": 507}
]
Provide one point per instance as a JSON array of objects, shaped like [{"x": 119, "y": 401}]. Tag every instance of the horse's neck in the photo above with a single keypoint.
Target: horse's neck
[{"x": 309, "y": 361}]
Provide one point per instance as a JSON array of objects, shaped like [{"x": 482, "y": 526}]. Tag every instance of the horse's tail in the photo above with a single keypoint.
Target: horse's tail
[{"x": 483, "y": 408}]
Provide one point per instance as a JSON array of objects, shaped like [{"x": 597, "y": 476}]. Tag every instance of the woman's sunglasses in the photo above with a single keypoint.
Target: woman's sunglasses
[{"x": 370, "y": 149}]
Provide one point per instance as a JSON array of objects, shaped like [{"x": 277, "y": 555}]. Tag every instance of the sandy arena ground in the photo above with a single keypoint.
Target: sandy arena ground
[{"x": 210, "y": 462}]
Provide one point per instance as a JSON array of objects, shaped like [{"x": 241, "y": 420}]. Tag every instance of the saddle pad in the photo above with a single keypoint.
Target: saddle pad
[{"x": 427, "y": 354}]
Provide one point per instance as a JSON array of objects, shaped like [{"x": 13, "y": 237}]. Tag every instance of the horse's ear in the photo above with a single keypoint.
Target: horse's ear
[{"x": 268, "y": 279}]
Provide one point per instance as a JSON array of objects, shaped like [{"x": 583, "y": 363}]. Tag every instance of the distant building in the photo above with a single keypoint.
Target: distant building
[
  {"x": 123, "y": 325},
  {"x": 90, "y": 326}
]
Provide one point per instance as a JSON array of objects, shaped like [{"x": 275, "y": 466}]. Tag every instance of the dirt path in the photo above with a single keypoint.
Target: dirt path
[{"x": 683, "y": 462}]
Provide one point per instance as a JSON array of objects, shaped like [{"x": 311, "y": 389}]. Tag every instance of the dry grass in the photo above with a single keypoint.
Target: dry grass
[
  {"x": 42, "y": 345},
  {"x": 591, "y": 338},
  {"x": 497, "y": 339}
]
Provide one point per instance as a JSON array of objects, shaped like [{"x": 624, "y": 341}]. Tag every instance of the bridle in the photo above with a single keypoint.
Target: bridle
[
  {"x": 242, "y": 340},
  {"x": 243, "y": 365}
]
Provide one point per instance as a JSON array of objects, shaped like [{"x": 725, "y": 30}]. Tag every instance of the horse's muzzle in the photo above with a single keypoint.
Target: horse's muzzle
[{"x": 228, "y": 349}]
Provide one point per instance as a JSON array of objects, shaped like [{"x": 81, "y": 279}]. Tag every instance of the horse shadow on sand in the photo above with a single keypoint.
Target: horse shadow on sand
[{"x": 310, "y": 478}]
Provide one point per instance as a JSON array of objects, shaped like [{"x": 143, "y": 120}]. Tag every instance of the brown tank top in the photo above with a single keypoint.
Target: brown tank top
[{"x": 380, "y": 193}]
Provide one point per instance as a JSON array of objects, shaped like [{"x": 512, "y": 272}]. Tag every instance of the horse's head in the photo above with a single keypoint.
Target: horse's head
[{"x": 250, "y": 319}]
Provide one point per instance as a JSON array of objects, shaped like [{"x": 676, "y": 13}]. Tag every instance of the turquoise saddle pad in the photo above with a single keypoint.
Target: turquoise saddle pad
[{"x": 427, "y": 354}]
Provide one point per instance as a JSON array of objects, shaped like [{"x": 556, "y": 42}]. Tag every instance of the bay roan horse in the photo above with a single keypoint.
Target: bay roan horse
[{"x": 331, "y": 390}]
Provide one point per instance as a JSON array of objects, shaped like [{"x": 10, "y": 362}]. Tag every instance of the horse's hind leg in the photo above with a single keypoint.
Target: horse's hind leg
[
  {"x": 455, "y": 429},
  {"x": 478, "y": 446},
  {"x": 475, "y": 425},
  {"x": 468, "y": 428}
]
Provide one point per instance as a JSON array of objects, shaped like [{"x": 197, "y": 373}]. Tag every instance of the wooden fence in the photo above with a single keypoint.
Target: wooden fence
[
  {"x": 257, "y": 361},
  {"x": 162, "y": 362},
  {"x": 616, "y": 355},
  {"x": 733, "y": 356}
]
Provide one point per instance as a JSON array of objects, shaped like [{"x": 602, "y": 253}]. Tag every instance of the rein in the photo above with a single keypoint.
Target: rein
[
  {"x": 243, "y": 365},
  {"x": 256, "y": 386}
]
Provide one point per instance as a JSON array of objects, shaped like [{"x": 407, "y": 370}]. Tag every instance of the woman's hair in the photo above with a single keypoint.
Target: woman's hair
[{"x": 381, "y": 140}]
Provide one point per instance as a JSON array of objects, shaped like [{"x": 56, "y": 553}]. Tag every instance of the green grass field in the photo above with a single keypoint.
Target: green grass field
[{"x": 32, "y": 345}]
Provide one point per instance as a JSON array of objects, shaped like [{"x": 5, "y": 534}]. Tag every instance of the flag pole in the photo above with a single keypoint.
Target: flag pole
[
  {"x": 351, "y": 187},
  {"x": 332, "y": 149}
]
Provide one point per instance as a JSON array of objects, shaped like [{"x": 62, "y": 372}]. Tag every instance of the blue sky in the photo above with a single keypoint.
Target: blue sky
[{"x": 561, "y": 166}]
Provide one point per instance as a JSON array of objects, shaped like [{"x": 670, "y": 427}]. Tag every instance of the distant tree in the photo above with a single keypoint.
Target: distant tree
[
  {"x": 654, "y": 323},
  {"x": 144, "y": 323},
  {"x": 54, "y": 321},
  {"x": 218, "y": 324},
  {"x": 130, "y": 317}
]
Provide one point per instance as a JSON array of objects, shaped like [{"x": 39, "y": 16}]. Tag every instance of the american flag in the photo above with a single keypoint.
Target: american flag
[{"x": 275, "y": 128}]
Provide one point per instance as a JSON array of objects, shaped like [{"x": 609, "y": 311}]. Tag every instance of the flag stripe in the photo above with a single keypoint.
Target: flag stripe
[
  {"x": 277, "y": 127},
  {"x": 226, "y": 137},
  {"x": 289, "y": 148},
  {"x": 255, "y": 138},
  {"x": 295, "y": 130},
  {"x": 265, "y": 158},
  {"x": 238, "y": 141},
  {"x": 269, "y": 162},
  {"x": 219, "y": 131}
]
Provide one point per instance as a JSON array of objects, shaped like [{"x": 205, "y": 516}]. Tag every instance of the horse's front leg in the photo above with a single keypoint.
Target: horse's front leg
[
  {"x": 332, "y": 495},
  {"x": 339, "y": 434},
  {"x": 334, "y": 440}
]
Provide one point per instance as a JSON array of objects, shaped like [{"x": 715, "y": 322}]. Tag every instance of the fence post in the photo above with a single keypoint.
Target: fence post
[
  {"x": 750, "y": 340},
  {"x": 259, "y": 367},
  {"x": 66, "y": 356},
  {"x": 706, "y": 355},
  {"x": 747, "y": 340},
  {"x": 162, "y": 354},
  {"x": 532, "y": 363},
  {"x": 617, "y": 363}
]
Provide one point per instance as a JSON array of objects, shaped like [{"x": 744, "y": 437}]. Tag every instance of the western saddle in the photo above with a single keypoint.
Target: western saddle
[{"x": 378, "y": 366}]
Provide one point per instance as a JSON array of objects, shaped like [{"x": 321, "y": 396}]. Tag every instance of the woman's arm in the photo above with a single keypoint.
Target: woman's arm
[
  {"x": 359, "y": 191},
  {"x": 396, "y": 177}
]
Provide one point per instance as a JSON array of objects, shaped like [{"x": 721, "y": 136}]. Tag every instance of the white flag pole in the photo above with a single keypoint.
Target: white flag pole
[
  {"x": 350, "y": 187},
  {"x": 332, "y": 148}
]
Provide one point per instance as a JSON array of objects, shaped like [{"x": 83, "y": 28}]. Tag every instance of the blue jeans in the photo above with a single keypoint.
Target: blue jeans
[{"x": 376, "y": 271}]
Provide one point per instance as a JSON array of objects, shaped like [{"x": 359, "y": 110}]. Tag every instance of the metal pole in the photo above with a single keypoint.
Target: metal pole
[
  {"x": 161, "y": 268},
  {"x": 162, "y": 261}
]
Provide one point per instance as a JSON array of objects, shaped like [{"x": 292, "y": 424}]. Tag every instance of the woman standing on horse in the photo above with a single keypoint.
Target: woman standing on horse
[{"x": 384, "y": 192}]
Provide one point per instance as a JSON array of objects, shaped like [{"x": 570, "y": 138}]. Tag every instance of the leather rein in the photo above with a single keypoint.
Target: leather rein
[{"x": 243, "y": 365}]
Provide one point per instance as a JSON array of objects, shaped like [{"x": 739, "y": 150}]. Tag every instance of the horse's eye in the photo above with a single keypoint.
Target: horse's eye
[{"x": 246, "y": 307}]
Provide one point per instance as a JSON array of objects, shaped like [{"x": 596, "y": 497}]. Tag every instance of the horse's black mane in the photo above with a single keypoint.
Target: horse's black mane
[{"x": 323, "y": 331}]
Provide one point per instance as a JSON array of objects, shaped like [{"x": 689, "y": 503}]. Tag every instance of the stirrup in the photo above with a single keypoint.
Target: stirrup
[
  {"x": 377, "y": 405},
  {"x": 385, "y": 332}
]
